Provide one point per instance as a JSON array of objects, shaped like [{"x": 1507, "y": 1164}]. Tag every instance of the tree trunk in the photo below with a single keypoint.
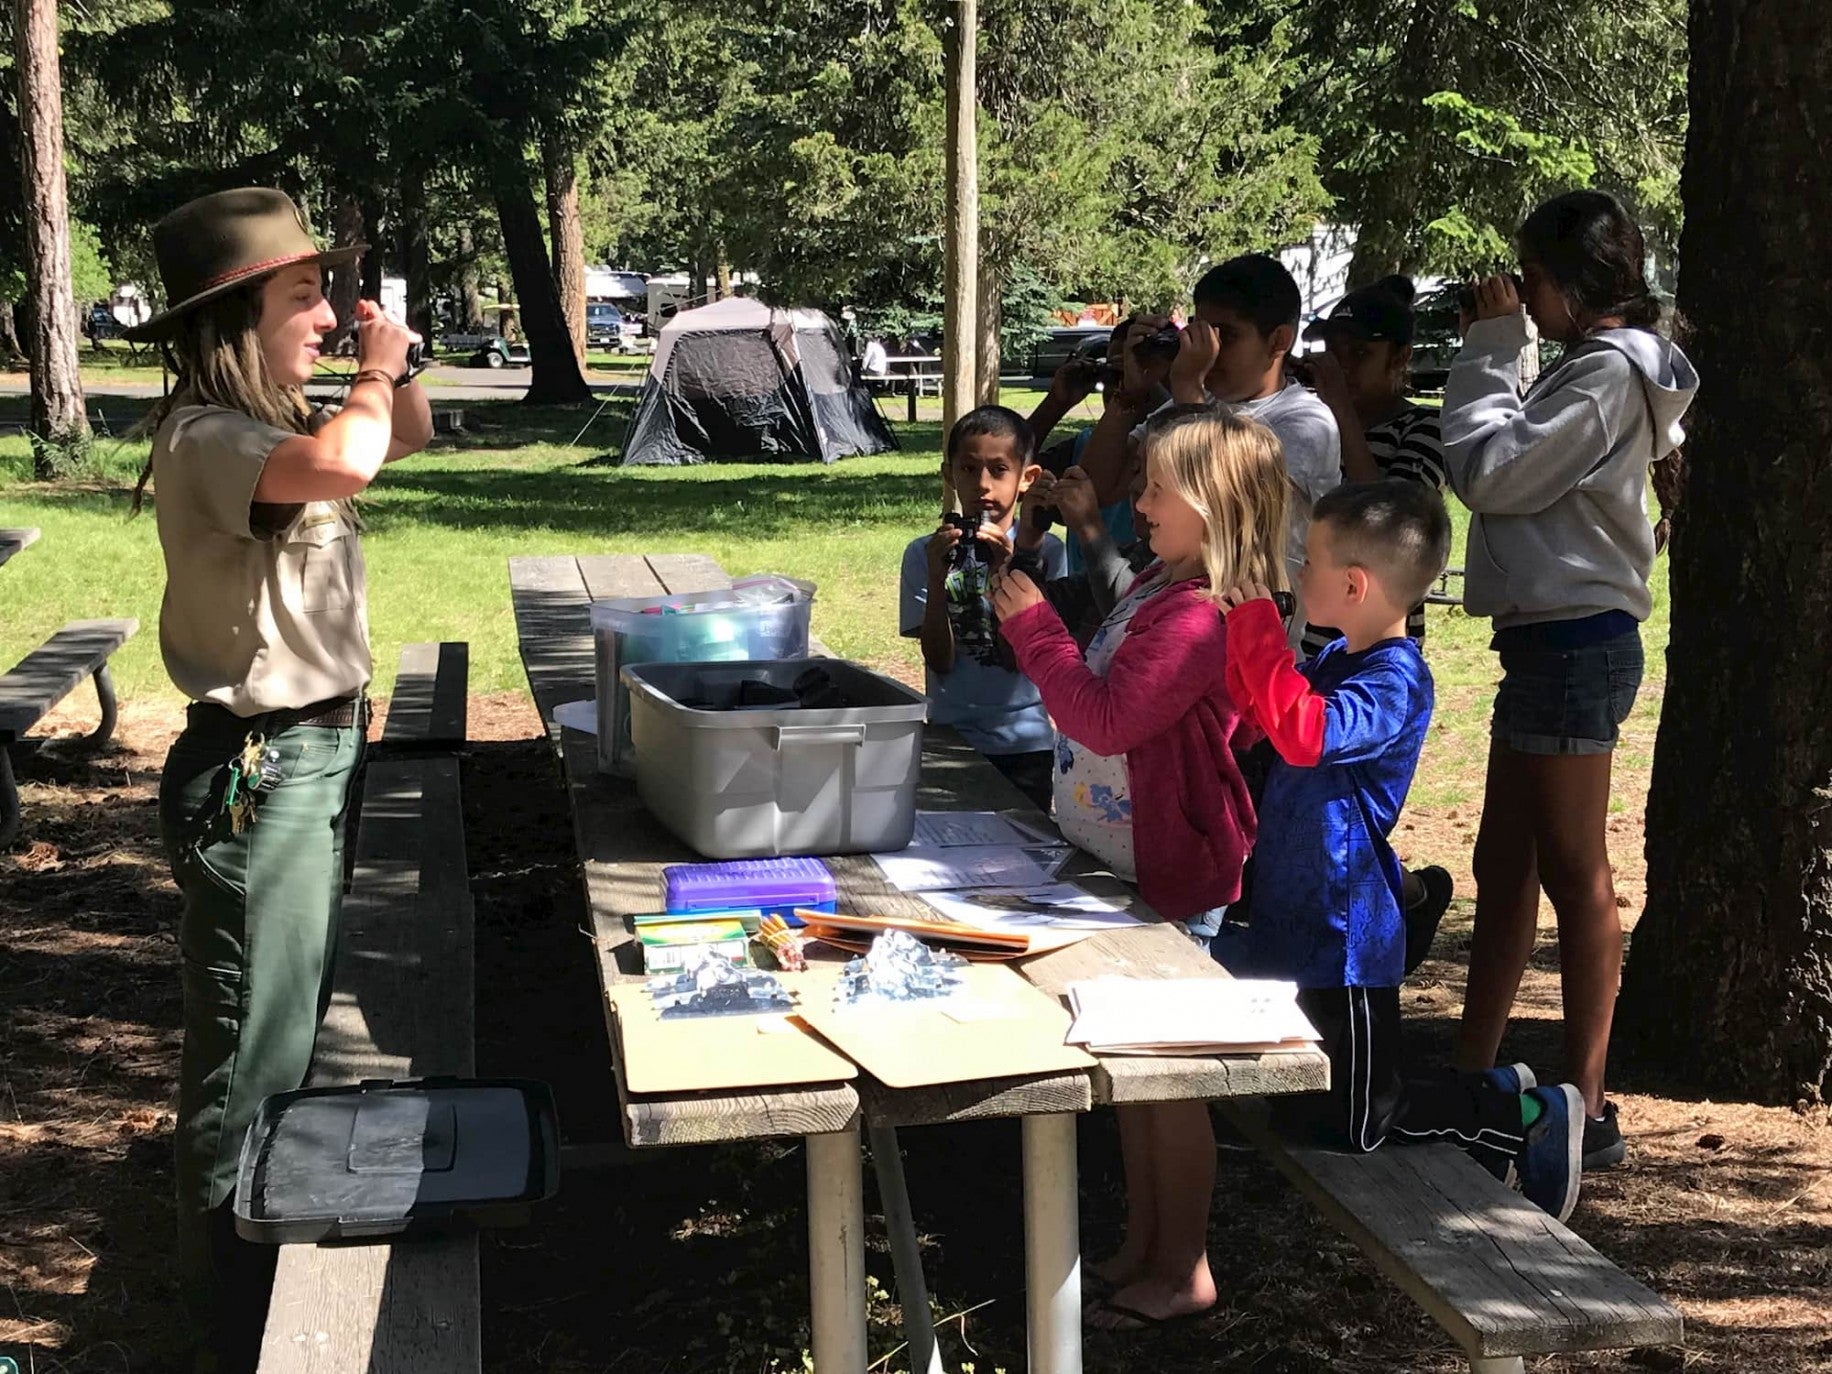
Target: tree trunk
[
  {"x": 568, "y": 235},
  {"x": 990, "y": 306},
  {"x": 375, "y": 260},
  {"x": 58, "y": 416},
  {"x": 9, "y": 334},
  {"x": 557, "y": 378},
  {"x": 1730, "y": 978},
  {"x": 346, "y": 282},
  {"x": 416, "y": 255},
  {"x": 470, "y": 293},
  {"x": 721, "y": 273},
  {"x": 960, "y": 323}
]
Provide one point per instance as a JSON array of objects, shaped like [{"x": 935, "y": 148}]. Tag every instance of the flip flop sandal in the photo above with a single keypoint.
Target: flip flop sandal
[{"x": 1143, "y": 1321}]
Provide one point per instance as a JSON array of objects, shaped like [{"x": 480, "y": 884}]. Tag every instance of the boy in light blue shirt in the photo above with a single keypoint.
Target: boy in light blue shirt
[{"x": 991, "y": 461}]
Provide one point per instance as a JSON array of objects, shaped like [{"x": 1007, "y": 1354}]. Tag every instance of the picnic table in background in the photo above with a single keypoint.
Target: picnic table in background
[
  {"x": 14, "y": 541},
  {"x": 623, "y": 850},
  {"x": 913, "y": 374}
]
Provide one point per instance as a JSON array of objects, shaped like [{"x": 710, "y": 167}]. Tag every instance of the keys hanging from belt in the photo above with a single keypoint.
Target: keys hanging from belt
[{"x": 253, "y": 772}]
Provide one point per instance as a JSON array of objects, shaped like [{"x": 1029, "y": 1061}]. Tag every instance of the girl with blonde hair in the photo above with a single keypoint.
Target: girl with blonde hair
[{"x": 1147, "y": 782}]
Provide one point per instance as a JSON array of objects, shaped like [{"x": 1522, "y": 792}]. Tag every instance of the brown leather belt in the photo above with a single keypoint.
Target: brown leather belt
[{"x": 333, "y": 713}]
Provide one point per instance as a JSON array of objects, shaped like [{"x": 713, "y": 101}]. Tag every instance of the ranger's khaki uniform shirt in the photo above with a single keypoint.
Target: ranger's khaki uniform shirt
[{"x": 265, "y": 606}]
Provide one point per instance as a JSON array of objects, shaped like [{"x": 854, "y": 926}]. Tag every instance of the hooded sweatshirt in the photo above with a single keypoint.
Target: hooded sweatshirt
[
  {"x": 1163, "y": 704},
  {"x": 1557, "y": 483}
]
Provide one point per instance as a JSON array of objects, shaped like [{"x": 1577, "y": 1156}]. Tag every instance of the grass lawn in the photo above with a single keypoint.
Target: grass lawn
[{"x": 442, "y": 526}]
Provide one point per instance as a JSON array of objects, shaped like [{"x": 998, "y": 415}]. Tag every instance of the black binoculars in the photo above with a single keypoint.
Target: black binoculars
[{"x": 1466, "y": 292}]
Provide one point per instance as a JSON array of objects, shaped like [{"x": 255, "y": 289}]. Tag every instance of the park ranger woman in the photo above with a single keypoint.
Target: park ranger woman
[{"x": 264, "y": 627}]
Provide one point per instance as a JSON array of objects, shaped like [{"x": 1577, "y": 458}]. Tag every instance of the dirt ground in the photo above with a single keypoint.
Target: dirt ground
[{"x": 696, "y": 1260}]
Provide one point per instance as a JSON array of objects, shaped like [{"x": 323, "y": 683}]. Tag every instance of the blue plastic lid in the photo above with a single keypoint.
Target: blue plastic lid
[{"x": 747, "y": 883}]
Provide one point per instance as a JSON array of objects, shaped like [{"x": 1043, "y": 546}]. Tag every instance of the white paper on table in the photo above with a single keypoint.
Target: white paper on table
[
  {"x": 578, "y": 715},
  {"x": 1173, "y": 1013},
  {"x": 1051, "y": 858},
  {"x": 1023, "y": 910},
  {"x": 949, "y": 829},
  {"x": 934, "y": 869}
]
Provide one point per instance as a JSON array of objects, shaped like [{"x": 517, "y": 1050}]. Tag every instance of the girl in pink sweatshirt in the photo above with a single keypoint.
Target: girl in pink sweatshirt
[{"x": 1147, "y": 782}]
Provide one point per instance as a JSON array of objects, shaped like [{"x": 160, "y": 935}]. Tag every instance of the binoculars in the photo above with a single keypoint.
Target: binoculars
[{"x": 1466, "y": 292}]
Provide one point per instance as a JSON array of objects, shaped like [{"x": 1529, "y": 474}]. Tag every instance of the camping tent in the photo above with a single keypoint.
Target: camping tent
[{"x": 739, "y": 379}]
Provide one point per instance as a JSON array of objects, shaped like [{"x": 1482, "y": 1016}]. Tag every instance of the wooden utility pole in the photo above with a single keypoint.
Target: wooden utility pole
[
  {"x": 991, "y": 320},
  {"x": 57, "y": 383},
  {"x": 960, "y": 326}
]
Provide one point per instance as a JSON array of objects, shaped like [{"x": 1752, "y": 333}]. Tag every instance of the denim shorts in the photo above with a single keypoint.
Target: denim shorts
[
  {"x": 1202, "y": 927},
  {"x": 1567, "y": 701}
]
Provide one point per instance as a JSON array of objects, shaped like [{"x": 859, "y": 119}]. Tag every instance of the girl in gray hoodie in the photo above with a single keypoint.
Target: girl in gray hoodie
[{"x": 1560, "y": 550}]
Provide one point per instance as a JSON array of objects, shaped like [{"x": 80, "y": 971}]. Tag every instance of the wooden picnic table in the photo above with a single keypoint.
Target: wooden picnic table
[{"x": 623, "y": 851}]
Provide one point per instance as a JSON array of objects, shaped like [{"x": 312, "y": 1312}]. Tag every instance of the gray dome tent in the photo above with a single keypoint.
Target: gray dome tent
[{"x": 740, "y": 380}]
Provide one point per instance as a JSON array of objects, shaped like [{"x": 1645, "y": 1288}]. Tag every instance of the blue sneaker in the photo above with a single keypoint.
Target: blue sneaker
[
  {"x": 1551, "y": 1162},
  {"x": 1512, "y": 1079}
]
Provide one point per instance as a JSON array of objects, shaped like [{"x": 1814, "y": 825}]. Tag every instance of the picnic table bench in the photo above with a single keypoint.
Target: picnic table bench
[
  {"x": 914, "y": 375},
  {"x": 402, "y": 1006},
  {"x": 16, "y": 540},
  {"x": 47, "y": 675},
  {"x": 1503, "y": 1278}
]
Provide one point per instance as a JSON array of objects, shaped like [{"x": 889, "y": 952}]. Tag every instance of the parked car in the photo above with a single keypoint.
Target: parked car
[
  {"x": 100, "y": 323},
  {"x": 603, "y": 325},
  {"x": 1438, "y": 337},
  {"x": 1060, "y": 344}
]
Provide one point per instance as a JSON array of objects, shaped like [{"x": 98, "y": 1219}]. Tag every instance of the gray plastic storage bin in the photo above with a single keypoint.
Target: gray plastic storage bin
[{"x": 751, "y": 782}]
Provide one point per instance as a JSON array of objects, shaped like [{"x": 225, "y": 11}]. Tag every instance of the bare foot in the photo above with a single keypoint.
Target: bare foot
[{"x": 1150, "y": 1302}]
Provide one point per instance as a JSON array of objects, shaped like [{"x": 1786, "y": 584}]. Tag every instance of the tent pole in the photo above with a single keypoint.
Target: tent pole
[{"x": 960, "y": 325}]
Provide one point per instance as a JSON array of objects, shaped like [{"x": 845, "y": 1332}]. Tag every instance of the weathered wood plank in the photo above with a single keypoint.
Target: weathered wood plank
[
  {"x": 688, "y": 572},
  {"x": 713, "y": 1117},
  {"x": 1501, "y": 1276},
  {"x": 609, "y": 575},
  {"x": 430, "y": 697},
  {"x": 393, "y": 1308},
  {"x": 553, "y": 630},
  {"x": 55, "y": 668},
  {"x": 401, "y": 1002},
  {"x": 402, "y": 1006},
  {"x": 942, "y": 1102}
]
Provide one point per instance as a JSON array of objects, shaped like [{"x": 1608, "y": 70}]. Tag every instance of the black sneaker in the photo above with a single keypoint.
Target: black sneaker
[
  {"x": 1604, "y": 1147},
  {"x": 1422, "y": 918}
]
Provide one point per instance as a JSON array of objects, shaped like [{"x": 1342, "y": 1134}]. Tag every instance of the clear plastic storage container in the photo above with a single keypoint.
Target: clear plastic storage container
[
  {"x": 758, "y": 618},
  {"x": 740, "y": 782}
]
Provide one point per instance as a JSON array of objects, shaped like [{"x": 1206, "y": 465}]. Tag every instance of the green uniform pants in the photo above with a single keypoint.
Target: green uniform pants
[{"x": 258, "y": 935}]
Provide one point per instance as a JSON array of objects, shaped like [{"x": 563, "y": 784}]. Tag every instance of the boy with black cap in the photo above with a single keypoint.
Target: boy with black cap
[{"x": 1362, "y": 375}]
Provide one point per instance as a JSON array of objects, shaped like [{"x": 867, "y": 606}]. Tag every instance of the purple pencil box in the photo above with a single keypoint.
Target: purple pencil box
[{"x": 773, "y": 886}]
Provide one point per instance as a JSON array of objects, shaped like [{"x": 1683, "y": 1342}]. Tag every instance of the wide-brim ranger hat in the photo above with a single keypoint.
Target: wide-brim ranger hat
[
  {"x": 1372, "y": 313},
  {"x": 210, "y": 246}
]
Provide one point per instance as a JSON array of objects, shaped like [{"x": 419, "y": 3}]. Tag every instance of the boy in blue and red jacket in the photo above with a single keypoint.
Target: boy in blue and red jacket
[{"x": 1327, "y": 909}]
